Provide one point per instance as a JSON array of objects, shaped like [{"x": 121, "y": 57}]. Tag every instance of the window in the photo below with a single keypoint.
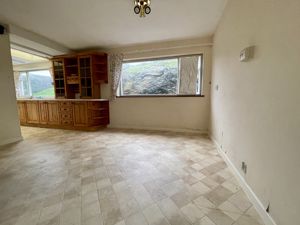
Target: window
[
  {"x": 176, "y": 76},
  {"x": 36, "y": 84}
]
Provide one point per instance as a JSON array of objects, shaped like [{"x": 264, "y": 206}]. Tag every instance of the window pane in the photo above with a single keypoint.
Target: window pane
[
  {"x": 23, "y": 87},
  {"x": 41, "y": 84},
  {"x": 156, "y": 77},
  {"x": 189, "y": 75}
]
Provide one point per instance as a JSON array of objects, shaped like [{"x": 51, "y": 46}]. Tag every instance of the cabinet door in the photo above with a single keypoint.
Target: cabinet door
[
  {"x": 59, "y": 78},
  {"x": 85, "y": 77},
  {"x": 33, "y": 112},
  {"x": 22, "y": 112},
  {"x": 43, "y": 112},
  {"x": 80, "y": 114},
  {"x": 53, "y": 113}
]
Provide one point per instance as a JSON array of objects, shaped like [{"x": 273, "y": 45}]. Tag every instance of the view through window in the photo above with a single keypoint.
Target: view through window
[
  {"x": 37, "y": 84},
  {"x": 165, "y": 76},
  {"x": 32, "y": 83}
]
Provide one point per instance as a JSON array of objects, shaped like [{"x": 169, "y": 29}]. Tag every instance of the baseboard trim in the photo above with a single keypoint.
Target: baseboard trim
[
  {"x": 267, "y": 219},
  {"x": 179, "y": 130},
  {"x": 11, "y": 140}
]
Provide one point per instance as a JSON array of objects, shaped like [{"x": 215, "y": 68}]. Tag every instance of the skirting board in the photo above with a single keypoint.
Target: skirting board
[
  {"x": 159, "y": 129},
  {"x": 267, "y": 219},
  {"x": 11, "y": 140}
]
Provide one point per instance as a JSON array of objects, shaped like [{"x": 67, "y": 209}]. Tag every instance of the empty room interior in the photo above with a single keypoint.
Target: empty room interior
[{"x": 147, "y": 112}]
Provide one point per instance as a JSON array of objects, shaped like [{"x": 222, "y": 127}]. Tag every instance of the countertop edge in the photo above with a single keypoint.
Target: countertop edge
[{"x": 64, "y": 100}]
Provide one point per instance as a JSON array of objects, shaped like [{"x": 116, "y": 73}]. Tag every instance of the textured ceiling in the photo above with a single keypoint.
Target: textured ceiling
[{"x": 79, "y": 24}]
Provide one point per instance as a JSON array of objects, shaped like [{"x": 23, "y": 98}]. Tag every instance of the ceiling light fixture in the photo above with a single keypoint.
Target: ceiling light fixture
[{"x": 142, "y": 7}]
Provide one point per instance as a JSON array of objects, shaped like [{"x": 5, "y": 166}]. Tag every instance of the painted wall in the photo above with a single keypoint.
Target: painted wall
[
  {"x": 176, "y": 113},
  {"x": 9, "y": 120},
  {"x": 256, "y": 110}
]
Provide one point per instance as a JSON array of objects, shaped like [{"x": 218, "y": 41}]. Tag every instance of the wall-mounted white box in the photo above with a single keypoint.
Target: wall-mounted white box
[{"x": 247, "y": 54}]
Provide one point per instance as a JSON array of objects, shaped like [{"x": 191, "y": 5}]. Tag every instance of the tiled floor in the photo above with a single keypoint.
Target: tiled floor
[{"x": 116, "y": 177}]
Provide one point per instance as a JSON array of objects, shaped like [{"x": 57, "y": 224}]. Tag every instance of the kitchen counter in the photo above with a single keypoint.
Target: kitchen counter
[{"x": 75, "y": 114}]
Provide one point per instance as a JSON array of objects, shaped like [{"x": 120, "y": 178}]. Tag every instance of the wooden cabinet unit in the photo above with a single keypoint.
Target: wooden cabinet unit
[
  {"x": 98, "y": 112},
  {"x": 89, "y": 114},
  {"x": 77, "y": 82},
  {"x": 80, "y": 75}
]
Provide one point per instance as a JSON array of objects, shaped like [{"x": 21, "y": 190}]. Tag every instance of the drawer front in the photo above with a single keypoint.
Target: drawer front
[
  {"x": 67, "y": 122},
  {"x": 66, "y": 116},
  {"x": 66, "y": 109},
  {"x": 65, "y": 104},
  {"x": 94, "y": 104}
]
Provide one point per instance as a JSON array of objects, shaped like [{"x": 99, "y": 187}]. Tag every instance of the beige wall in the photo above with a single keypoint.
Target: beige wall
[
  {"x": 33, "y": 66},
  {"x": 257, "y": 106},
  {"x": 176, "y": 113},
  {"x": 9, "y": 120}
]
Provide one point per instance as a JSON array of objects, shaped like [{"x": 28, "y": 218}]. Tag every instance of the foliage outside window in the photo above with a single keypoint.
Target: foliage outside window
[
  {"x": 35, "y": 84},
  {"x": 163, "y": 76}
]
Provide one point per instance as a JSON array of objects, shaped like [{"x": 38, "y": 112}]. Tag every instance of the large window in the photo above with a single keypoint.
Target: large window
[
  {"x": 176, "y": 76},
  {"x": 35, "y": 84}
]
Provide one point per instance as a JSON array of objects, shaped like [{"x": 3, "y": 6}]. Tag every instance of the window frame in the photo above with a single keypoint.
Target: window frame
[
  {"x": 29, "y": 84},
  {"x": 201, "y": 55}
]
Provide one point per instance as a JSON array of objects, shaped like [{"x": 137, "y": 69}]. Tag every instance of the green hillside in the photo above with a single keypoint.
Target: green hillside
[{"x": 49, "y": 92}]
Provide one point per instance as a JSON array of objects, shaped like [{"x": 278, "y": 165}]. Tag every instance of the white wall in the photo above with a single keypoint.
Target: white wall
[
  {"x": 9, "y": 120},
  {"x": 257, "y": 106},
  {"x": 165, "y": 113}
]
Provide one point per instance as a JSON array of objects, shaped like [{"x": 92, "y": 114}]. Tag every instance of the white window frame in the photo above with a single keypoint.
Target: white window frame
[
  {"x": 29, "y": 84},
  {"x": 199, "y": 75}
]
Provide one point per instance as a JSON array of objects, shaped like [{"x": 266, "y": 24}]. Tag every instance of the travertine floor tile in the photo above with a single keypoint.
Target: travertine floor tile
[
  {"x": 136, "y": 219},
  {"x": 118, "y": 177},
  {"x": 154, "y": 216},
  {"x": 192, "y": 213}
]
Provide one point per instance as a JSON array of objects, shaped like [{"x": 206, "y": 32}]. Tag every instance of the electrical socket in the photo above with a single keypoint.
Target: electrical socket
[
  {"x": 268, "y": 208},
  {"x": 244, "y": 167}
]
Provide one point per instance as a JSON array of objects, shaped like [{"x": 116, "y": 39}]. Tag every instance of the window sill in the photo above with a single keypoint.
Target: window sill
[{"x": 160, "y": 96}]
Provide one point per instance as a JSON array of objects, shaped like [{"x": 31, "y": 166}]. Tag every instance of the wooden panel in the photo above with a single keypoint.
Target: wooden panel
[
  {"x": 33, "y": 112},
  {"x": 22, "y": 112},
  {"x": 53, "y": 113},
  {"x": 43, "y": 112},
  {"x": 79, "y": 113}
]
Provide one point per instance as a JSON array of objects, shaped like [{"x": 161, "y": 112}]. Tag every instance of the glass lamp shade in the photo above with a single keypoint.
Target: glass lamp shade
[
  {"x": 137, "y": 9},
  {"x": 147, "y": 9}
]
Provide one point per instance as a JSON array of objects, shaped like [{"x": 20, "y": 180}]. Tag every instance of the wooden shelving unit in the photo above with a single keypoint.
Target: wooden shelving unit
[{"x": 80, "y": 75}]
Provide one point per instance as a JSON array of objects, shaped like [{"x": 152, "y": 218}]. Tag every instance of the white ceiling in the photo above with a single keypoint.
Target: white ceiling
[{"x": 79, "y": 24}]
